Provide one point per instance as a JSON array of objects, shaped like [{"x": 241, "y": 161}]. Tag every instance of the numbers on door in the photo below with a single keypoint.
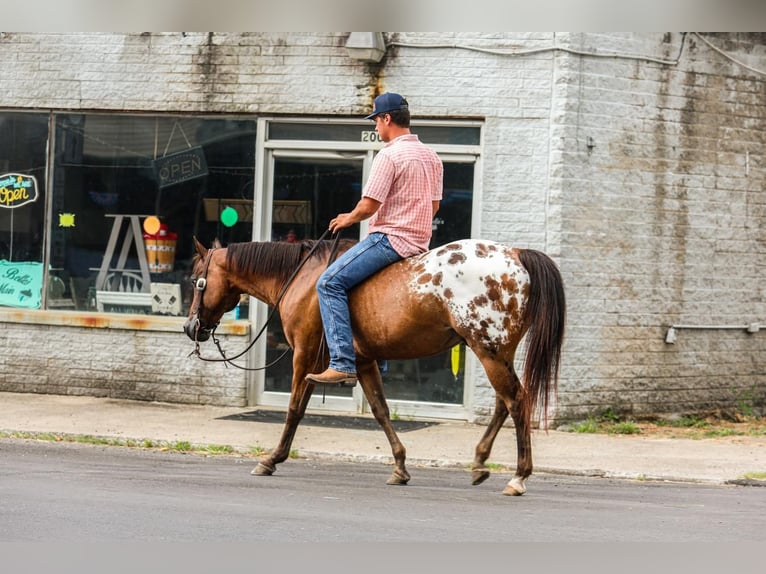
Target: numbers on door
[{"x": 371, "y": 136}]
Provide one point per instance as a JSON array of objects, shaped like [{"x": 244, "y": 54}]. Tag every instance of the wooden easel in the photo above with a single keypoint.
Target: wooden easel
[{"x": 133, "y": 235}]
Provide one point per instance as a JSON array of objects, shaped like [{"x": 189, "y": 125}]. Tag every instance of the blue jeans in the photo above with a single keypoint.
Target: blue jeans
[{"x": 354, "y": 266}]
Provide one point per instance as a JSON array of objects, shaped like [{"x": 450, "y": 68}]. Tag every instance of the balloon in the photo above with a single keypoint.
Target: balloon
[
  {"x": 229, "y": 216},
  {"x": 152, "y": 225}
]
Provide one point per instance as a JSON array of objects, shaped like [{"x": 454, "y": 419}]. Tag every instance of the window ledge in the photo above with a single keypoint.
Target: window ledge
[{"x": 239, "y": 327}]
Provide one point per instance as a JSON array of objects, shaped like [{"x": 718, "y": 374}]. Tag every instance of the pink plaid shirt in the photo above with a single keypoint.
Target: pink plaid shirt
[{"x": 406, "y": 176}]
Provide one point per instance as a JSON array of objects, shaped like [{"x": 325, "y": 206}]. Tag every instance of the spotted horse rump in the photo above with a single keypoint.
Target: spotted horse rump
[{"x": 483, "y": 284}]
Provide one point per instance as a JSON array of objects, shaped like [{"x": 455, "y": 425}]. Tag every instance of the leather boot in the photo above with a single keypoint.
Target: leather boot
[{"x": 333, "y": 377}]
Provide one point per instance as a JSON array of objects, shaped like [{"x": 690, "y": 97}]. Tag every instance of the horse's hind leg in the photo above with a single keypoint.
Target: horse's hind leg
[
  {"x": 508, "y": 390},
  {"x": 521, "y": 415},
  {"x": 372, "y": 384},
  {"x": 479, "y": 472}
]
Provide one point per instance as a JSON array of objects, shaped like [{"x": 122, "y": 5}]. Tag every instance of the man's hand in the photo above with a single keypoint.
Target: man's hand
[
  {"x": 341, "y": 220},
  {"x": 364, "y": 209}
]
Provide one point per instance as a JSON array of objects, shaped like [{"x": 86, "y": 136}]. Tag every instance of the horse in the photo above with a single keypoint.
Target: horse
[{"x": 485, "y": 294}]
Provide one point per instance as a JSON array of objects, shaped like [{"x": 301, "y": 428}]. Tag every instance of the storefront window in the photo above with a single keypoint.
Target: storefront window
[
  {"x": 23, "y": 144},
  {"x": 113, "y": 172}
]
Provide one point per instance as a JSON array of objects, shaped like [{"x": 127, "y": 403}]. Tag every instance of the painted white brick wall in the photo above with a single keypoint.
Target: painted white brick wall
[
  {"x": 661, "y": 222},
  {"x": 117, "y": 363}
]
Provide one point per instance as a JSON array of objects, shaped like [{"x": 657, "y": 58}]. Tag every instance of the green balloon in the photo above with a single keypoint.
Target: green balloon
[{"x": 229, "y": 216}]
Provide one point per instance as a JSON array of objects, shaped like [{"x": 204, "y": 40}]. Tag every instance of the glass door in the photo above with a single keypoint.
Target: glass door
[
  {"x": 432, "y": 386},
  {"x": 308, "y": 190},
  {"x": 305, "y": 185}
]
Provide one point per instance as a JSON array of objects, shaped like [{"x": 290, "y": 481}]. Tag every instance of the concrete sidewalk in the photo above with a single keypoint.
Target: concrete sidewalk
[{"x": 444, "y": 444}]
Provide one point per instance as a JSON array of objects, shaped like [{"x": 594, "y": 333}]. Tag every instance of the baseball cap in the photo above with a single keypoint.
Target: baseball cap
[{"x": 387, "y": 102}]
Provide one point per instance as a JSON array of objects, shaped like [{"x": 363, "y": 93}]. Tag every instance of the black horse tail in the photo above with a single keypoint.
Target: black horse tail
[{"x": 545, "y": 319}]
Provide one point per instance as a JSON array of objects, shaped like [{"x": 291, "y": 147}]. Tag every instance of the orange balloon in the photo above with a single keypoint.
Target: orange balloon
[{"x": 152, "y": 225}]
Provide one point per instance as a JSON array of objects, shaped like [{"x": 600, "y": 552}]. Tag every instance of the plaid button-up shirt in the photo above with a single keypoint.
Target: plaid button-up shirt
[{"x": 406, "y": 176}]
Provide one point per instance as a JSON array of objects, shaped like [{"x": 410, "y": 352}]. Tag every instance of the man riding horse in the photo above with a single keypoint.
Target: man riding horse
[
  {"x": 401, "y": 198},
  {"x": 414, "y": 303}
]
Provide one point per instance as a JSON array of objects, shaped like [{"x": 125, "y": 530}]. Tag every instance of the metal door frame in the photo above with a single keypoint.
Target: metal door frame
[
  {"x": 319, "y": 401},
  {"x": 266, "y": 154}
]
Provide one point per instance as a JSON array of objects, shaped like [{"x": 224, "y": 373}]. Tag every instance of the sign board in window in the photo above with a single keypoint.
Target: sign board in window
[
  {"x": 21, "y": 284},
  {"x": 17, "y": 189},
  {"x": 181, "y": 166}
]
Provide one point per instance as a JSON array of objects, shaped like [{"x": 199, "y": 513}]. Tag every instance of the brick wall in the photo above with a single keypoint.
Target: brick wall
[
  {"x": 116, "y": 361},
  {"x": 290, "y": 73},
  {"x": 661, "y": 221}
]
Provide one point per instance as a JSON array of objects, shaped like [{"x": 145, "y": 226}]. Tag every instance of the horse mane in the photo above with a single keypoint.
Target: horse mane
[{"x": 277, "y": 258}]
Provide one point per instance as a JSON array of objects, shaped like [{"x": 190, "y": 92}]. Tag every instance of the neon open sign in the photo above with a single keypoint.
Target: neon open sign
[{"x": 17, "y": 189}]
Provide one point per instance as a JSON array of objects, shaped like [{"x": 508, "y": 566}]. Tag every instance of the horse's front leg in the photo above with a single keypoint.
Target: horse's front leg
[
  {"x": 300, "y": 395},
  {"x": 372, "y": 384}
]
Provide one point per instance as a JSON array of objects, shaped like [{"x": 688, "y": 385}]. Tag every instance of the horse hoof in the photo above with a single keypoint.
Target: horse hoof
[
  {"x": 263, "y": 469},
  {"x": 399, "y": 478},
  {"x": 515, "y": 487},
  {"x": 479, "y": 475}
]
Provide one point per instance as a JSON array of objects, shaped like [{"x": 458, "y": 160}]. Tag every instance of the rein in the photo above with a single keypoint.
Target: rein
[{"x": 201, "y": 283}]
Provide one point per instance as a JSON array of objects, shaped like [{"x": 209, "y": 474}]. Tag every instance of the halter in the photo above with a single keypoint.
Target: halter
[{"x": 201, "y": 283}]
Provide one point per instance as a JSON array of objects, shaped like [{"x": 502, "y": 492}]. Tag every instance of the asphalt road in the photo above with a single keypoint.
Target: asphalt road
[{"x": 75, "y": 493}]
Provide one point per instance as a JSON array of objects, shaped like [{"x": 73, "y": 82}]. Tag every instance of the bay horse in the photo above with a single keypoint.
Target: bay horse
[{"x": 485, "y": 294}]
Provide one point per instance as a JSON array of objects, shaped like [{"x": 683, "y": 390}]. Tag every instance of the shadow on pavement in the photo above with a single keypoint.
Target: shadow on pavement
[{"x": 328, "y": 421}]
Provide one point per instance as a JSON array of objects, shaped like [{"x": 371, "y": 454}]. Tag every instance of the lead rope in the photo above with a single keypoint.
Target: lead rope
[{"x": 229, "y": 360}]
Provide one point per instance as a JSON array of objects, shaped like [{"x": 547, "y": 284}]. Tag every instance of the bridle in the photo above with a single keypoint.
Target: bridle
[{"x": 200, "y": 284}]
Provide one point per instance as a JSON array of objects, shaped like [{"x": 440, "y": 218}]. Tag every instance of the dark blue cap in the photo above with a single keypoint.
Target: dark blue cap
[{"x": 387, "y": 102}]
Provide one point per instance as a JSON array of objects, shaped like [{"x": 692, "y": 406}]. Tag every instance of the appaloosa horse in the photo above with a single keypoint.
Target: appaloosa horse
[{"x": 485, "y": 294}]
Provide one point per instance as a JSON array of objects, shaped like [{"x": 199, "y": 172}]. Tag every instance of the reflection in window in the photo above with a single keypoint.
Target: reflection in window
[
  {"x": 308, "y": 193},
  {"x": 111, "y": 172}
]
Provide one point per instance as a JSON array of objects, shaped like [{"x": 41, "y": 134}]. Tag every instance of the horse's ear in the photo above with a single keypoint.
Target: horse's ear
[
  {"x": 217, "y": 243},
  {"x": 200, "y": 248}
]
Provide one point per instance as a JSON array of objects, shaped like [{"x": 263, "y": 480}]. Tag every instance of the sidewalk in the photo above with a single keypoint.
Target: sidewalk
[{"x": 447, "y": 443}]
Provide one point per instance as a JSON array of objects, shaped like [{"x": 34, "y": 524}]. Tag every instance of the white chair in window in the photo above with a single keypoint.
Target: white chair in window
[{"x": 124, "y": 289}]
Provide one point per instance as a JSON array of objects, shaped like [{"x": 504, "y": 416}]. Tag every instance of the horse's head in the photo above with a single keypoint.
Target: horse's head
[{"x": 213, "y": 292}]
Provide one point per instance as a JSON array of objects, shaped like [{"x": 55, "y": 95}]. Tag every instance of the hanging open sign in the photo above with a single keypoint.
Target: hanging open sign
[
  {"x": 182, "y": 166},
  {"x": 17, "y": 189}
]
